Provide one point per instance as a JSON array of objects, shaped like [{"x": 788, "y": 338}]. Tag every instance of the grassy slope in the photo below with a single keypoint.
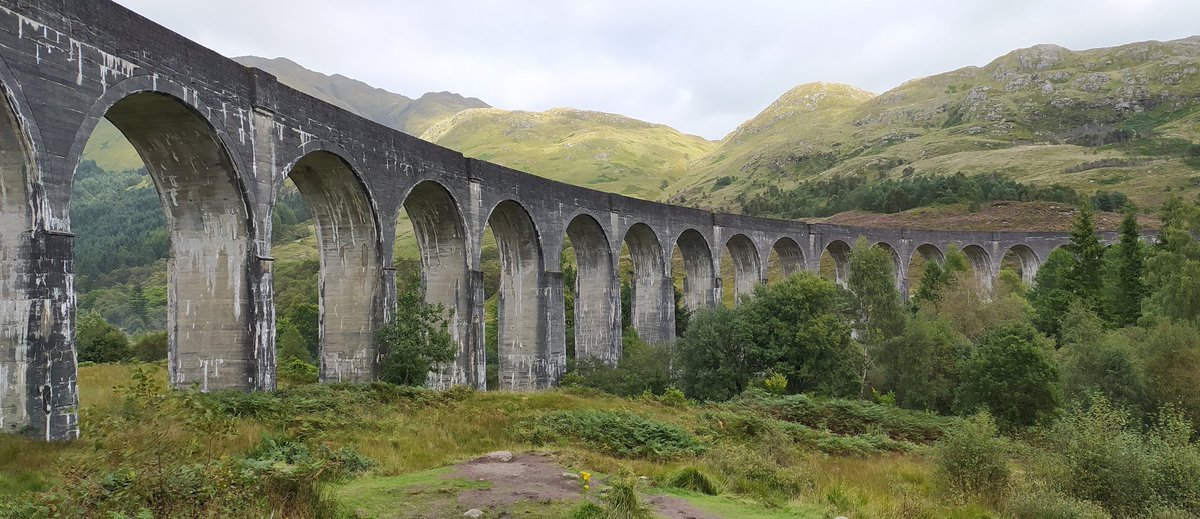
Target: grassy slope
[
  {"x": 597, "y": 150},
  {"x": 410, "y": 438},
  {"x": 1022, "y": 114}
]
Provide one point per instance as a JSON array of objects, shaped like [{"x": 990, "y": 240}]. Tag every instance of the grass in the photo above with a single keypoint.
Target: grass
[{"x": 412, "y": 437}]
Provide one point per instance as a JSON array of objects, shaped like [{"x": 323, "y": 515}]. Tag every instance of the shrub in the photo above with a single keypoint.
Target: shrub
[
  {"x": 1041, "y": 503},
  {"x": 294, "y": 371},
  {"x": 776, "y": 383},
  {"x": 99, "y": 341},
  {"x": 692, "y": 478},
  {"x": 616, "y": 433},
  {"x": 1012, "y": 374},
  {"x": 750, "y": 472},
  {"x": 971, "y": 460},
  {"x": 587, "y": 510},
  {"x": 1094, "y": 454},
  {"x": 151, "y": 347},
  {"x": 642, "y": 368},
  {"x": 622, "y": 502}
]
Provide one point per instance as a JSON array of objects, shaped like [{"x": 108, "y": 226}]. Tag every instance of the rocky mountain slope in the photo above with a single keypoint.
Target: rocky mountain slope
[{"x": 1124, "y": 118}]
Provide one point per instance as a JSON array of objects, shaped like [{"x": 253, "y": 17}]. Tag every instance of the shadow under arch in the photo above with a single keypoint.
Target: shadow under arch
[
  {"x": 348, "y": 245},
  {"x": 747, "y": 270},
  {"x": 210, "y": 314},
  {"x": 437, "y": 222},
  {"x": 652, "y": 306},
  {"x": 31, "y": 399},
  {"x": 897, "y": 273},
  {"x": 699, "y": 277},
  {"x": 981, "y": 264},
  {"x": 839, "y": 252},
  {"x": 790, "y": 256},
  {"x": 597, "y": 293},
  {"x": 1027, "y": 261},
  {"x": 526, "y": 361}
]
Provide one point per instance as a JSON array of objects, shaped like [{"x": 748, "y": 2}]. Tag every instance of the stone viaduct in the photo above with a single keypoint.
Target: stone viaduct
[{"x": 219, "y": 139}]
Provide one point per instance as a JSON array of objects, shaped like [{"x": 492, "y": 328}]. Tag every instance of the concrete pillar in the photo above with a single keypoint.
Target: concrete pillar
[
  {"x": 473, "y": 355},
  {"x": 42, "y": 373},
  {"x": 262, "y": 291},
  {"x": 552, "y": 352}
]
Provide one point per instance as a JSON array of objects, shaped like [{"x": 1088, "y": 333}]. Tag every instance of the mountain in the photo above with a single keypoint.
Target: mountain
[
  {"x": 593, "y": 149},
  {"x": 411, "y": 116},
  {"x": 1125, "y": 118}
]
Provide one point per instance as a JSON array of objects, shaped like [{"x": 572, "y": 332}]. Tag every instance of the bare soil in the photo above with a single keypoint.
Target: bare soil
[
  {"x": 538, "y": 478},
  {"x": 996, "y": 216}
]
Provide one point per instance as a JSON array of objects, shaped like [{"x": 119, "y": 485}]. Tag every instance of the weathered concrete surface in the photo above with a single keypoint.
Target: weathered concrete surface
[{"x": 219, "y": 139}]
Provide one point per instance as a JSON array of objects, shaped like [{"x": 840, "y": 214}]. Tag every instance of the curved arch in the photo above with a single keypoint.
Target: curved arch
[
  {"x": 981, "y": 263},
  {"x": 437, "y": 222},
  {"x": 747, "y": 270},
  {"x": 897, "y": 272},
  {"x": 931, "y": 252},
  {"x": 348, "y": 245},
  {"x": 652, "y": 305},
  {"x": 210, "y": 317},
  {"x": 597, "y": 294},
  {"x": 839, "y": 251},
  {"x": 698, "y": 281},
  {"x": 200, "y": 125},
  {"x": 1027, "y": 260},
  {"x": 525, "y": 360},
  {"x": 791, "y": 256},
  {"x": 23, "y": 360}
]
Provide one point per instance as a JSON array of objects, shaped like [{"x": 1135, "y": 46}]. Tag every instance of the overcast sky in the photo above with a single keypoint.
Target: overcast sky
[{"x": 698, "y": 65}]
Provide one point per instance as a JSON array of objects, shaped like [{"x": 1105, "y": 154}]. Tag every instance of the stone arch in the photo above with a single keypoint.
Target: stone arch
[
  {"x": 348, "y": 245},
  {"x": 699, "y": 273},
  {"x": 839, "y": 251},
  {"x": 652, "y": 308},
  {"x": 915, "y": 269},
  {"x": 747, "y": 270},
  {"x": 37, "y": 373},
  {"x": 791, "y": 256},
  {"x": 897, "y": 267},
  {"x": 981, "y": 264},
  {"x": 438, "y": 224},
  {"x": 210, "y": 314},
  {"x": 525, "y": 360},
  {"x": 597, "y": 293},
  {"x": 1027, "y": 260}
]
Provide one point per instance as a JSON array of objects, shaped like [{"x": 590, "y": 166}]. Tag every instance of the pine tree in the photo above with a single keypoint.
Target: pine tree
[
  {"x": 1085, "y": 275},
  {"x": 1131, "y": 265}
]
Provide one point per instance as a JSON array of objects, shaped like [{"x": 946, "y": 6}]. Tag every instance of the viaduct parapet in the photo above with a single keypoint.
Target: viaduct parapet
[{"x": 219, "y": 139}]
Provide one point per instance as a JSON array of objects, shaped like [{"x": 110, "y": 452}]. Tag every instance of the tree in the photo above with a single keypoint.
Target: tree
[
  {"x": 921, "y": 365},
  {"x": 1012, "y": 374},
  {"x": 936, "y": 276},
  {"x": 415, "y": 341},
  {"x": 99, "y": 341},
  {"x": 1131, "y": 266},
  {"x": 800, "y": 327},
  {"x": 713, "y": 363},
  {"x": 1052, "y": 293},
  {"x": 1171, "y": 364},
  {"x": 1096, "y": 362},
  {"x": 877, "y": 304},
  {"x": 151, "y": 347},
  {"x": 1173, "y": 271},
  {"x": 642, "y": 368},
  {"x": 291, "y": 344},
  {"x": 306, "y": 318},
  {"x": 971, "y": 309},
  {"x": 1085, "y": 274}
]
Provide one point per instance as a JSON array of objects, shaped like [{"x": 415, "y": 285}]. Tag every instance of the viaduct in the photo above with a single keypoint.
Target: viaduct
[{"x": 219, "y": 139}]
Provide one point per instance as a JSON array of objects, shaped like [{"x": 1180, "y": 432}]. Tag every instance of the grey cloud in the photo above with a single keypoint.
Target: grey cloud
[{"x": 701, "y": 66}]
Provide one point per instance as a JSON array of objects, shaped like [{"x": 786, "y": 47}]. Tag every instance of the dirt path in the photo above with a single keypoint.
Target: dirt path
[{"x": 538, "y": 478}]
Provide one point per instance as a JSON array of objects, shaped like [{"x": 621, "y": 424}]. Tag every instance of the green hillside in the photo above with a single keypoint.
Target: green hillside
[
  {"x": 593, "y": 149},
  {"x": 1125, "y": 118},
  {"x": 408, "y": 115}
]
